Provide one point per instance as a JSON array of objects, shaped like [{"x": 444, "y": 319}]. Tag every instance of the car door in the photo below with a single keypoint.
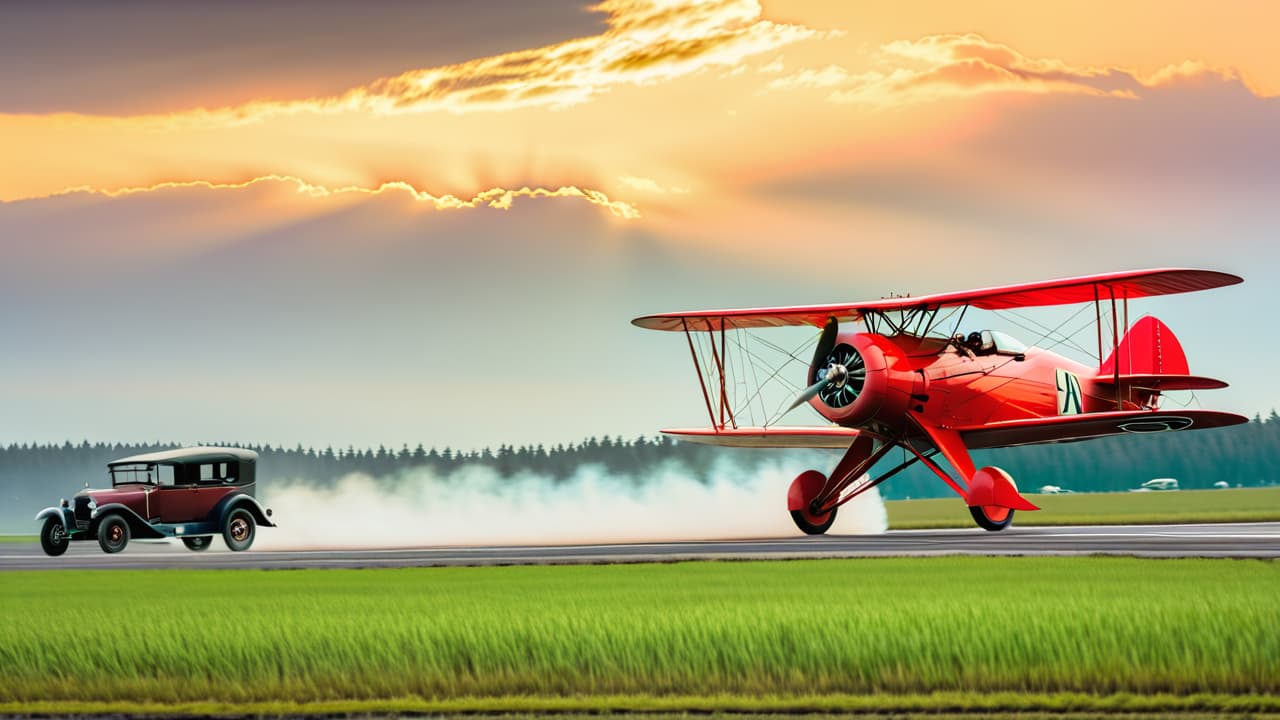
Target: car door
[
  {"x": 213, "y": 482},
  {"x": 171, "y": 498},
  {"x": 197, "y": 489}
]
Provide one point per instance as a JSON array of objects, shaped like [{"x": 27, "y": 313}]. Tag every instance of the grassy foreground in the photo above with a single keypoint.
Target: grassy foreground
[
  {"x": 1084, "y": 634},
  {"x": 1233, "y": 505}
]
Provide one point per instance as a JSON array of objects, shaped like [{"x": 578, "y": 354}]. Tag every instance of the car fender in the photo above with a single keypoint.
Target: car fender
[
  {"x": 65, "y": 514},
  {"x": 138, "y": 525},
  {"x": 248, "y": 502}
]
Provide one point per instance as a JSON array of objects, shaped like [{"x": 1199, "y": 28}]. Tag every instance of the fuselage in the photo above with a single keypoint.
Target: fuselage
[{"x": 953, "y": 386}]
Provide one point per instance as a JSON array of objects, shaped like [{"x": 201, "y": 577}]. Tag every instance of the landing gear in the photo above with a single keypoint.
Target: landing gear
[
  {"x": 991, "y": 517},
  {"x": 993, "y": 496},
  {"x": 804, "y": 490},
  {"x": 197, "y": 544}
]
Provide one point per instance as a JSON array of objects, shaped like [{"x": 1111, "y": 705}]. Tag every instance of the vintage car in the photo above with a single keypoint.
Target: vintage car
[{"x": 190, "y": 493}]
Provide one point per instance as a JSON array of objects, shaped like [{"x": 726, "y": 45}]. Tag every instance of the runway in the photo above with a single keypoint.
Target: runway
[{"x": 1243, "y": 540}]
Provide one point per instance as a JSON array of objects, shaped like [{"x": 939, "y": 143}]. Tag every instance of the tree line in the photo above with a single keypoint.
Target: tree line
[{"x": 35, "y": 475}]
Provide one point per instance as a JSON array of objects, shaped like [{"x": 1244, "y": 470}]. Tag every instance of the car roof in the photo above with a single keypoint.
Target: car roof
[{"x": 189, "y": 455}]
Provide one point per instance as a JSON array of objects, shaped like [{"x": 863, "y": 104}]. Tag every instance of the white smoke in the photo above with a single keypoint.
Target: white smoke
[{"x": 476, "y": 506}]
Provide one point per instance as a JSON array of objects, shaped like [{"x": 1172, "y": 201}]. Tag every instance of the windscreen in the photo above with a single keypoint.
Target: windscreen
[{"x": 134, "y": 473}]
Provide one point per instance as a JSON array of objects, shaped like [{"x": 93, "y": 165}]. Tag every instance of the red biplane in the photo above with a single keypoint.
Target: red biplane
[{"x": 904, "y": 376}]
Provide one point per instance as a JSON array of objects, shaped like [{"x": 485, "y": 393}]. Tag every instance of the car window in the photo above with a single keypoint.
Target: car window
[
  {"x": 165, "y": 474},
  {"x": 215, "y": 473}
]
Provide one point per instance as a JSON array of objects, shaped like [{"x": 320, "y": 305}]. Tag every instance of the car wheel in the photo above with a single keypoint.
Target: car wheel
[
  {"x": 113, "y": 534},
  {"x": 239, "y": 529},
  {"x": 196, "y": 544},
  {"x": 53, "y": 537}
]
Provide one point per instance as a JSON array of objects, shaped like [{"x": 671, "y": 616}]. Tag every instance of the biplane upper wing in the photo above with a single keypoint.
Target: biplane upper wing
[
  {"x": 1119, "y": 285},
  {"x": 832, "y": 436},
  {"x": 1093, "y": 425}
]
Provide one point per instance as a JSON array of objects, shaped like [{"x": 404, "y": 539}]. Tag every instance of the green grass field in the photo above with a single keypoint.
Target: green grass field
[
  {"x": 1235, "y": 505},
  {"x": 19, "y": 538},
  {"x": 957, "y": 633}
]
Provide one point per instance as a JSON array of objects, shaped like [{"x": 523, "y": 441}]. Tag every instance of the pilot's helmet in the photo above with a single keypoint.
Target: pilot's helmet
[{"x": 974, "y": 339}]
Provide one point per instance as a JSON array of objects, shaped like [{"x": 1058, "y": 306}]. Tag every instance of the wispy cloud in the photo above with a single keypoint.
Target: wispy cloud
[
  {"x": 649, "y": 185},
  {"x": 956, "y": 65},
  {"x": 499, "y": 198}
]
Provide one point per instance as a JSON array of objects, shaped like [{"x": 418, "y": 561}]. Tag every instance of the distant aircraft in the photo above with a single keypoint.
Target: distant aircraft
[
  {"x": 903, "y": 380},
  {"x": 1160, "y": 484}
]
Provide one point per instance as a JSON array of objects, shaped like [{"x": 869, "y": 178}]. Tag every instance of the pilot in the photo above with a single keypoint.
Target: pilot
[{"x": 974, "y": 342}]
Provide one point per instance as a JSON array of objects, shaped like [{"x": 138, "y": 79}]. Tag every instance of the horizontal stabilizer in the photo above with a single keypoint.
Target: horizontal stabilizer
[
  {"x": 833, "y": 436},
  {"x": 1163, "y": 383},
  {"x": 1066, "y": 428}
]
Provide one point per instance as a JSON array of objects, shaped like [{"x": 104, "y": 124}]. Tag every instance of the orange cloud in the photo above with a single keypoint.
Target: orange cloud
[
  {"x": 531, "y": 116},
  {"x": 951, "y": 65},
  {"x": 645, "y": 42},
  {"x": 499, "y": 198}
]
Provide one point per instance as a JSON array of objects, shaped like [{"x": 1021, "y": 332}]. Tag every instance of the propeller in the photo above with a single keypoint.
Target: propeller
[
  {"x": 840, "y": 382},
  {"x": 826, "y": 343},
  {"x": 829, "y": 376}
]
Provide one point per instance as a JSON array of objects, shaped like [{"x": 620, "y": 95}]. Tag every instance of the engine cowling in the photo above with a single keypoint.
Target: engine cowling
[{"x": 869, "y": 381}]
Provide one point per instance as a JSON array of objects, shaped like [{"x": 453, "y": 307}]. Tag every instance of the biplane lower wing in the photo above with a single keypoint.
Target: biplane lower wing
[
  {"x": 1094, "y": 425},
  {"x": 832, "y": 437}
]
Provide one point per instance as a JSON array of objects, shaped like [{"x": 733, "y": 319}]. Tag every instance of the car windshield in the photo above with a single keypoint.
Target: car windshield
[{"x": 134, "y": 473}]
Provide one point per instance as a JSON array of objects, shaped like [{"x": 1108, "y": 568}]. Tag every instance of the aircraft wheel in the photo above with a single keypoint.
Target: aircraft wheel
[
  {"x": 992, "y": 517},
  {"x": 196, "y": 544},
  {"x": 811, "y": 524},
  {"x": 239, "y": 529},
  {"x": 803, "y": 490},
  {"x": 53, "y": 537},
  {"x": 113, "y": 534}
]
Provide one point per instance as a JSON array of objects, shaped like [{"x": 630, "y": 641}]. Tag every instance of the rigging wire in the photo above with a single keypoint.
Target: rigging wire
[
  {"x": 1067, "y": 339},
  {"x": 774, "y": 375},
  {"x": 1014, "y": 359}
]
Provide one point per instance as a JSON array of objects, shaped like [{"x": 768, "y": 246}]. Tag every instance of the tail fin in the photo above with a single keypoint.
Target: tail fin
[
  {"x": 1150, "y": 357},
  {"x": 1149, "y": 348}
]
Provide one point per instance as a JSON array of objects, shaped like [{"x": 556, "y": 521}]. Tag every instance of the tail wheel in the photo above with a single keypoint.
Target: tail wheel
[
  {"x": 239, "y": 529},
  {"x": 113, "y": 534},
  {"x": 196, "y": 544},
  {"x": 804, "y": 490},
  {"x": 53, "y": 537},
  {"x": 991, "y": 517}
]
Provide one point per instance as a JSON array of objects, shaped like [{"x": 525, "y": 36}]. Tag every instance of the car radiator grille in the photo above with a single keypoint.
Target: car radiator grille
[{"x": 82, "y": 512}]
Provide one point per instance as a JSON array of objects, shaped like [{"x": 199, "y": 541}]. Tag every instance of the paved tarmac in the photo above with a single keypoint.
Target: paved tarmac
[{"x": 1241, "y": 540}]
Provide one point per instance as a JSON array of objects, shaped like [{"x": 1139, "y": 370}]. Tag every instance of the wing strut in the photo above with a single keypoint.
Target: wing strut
[
  {"x": 1115, "y": 345},
  {"x": 698, "y": 369},
  {"x": 720, "y": 357}
]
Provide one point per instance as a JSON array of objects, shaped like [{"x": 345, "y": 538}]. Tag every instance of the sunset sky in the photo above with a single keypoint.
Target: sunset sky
[{"x": 384, "y": 222}]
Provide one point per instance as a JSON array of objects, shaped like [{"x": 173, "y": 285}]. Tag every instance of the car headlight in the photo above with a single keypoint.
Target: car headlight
[{"x": 93, "y": 505}]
